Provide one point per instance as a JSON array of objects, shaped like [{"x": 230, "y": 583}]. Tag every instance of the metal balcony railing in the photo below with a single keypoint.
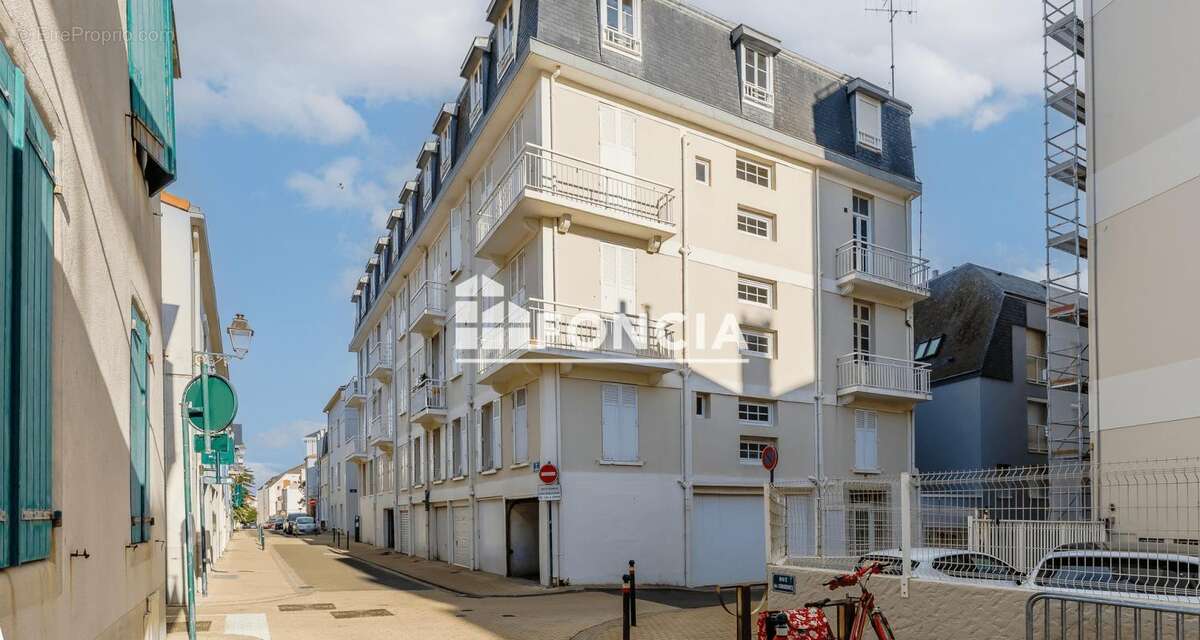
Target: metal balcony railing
[
  {"x": 1035, "y": 369},
  {"x": 623, "y": 40},
  {"x": 549, "y": 172},
  {"x": 380, "y": 355},
  {"x": 380, "y": 428},
  {"x": 356, "y": 391},
  {"x": 429, "y": 298},
  {"x": 868, "y": 371},
  {"x": 356, "y": 446},
  {"x": 755, "y": 93},
  {"x": 859, "y": 257},
  {"x": 429, "y": 395},
  {"x": 543, "y": 324}
]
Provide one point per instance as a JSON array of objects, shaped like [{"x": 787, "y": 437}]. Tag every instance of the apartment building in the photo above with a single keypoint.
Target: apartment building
[
  {"x": 984, "y": 334},
  {"x": 88, "y": 145},
  {"x": 191, "y": 324},
  {"x": 643, "y": 244},
  {"x": 315, "y": 446},
  {"x": 345, "y": 439}
]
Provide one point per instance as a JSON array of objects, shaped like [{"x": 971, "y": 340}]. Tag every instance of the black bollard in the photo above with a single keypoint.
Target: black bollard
[
  {"x": 625, "y": 607},
  {"x": 632, "y": 594},
  {"x": 743, "y": 612}
]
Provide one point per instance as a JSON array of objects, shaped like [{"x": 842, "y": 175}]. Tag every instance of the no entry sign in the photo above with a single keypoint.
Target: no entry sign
[
  {"x": 548, "y": 473},
  {"x": 770, "y": 458}
]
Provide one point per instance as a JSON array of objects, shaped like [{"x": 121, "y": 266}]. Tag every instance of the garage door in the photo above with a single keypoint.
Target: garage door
[
  {"x": 441, "y": 527},
  {"x": 729, "y": 545},
  {"x": 462, "y": 536},
  {"x": 403, "y": 524}
]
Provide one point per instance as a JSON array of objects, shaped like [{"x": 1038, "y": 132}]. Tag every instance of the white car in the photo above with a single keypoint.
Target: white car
[
  {"x": 304, "y": 525},
  {"x": 1099, "y": 569},
  {"x": 947, "y": 565}
]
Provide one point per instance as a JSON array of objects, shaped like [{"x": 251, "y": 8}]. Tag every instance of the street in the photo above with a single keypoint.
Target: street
[{"x": 303, "y": 588}]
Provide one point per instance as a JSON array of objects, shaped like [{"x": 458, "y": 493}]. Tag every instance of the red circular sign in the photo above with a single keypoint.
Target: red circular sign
[
  {"x": 770, "y": 458},
  {"x": 548, "y": 473}
]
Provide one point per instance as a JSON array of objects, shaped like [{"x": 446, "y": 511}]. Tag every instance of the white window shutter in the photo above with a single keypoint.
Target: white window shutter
[
  {"x": 629, "y": 423},
  {"x": 628, "y": 280},
  {"x": 496, "y": 433},
  {"x": 520, "y": 427},
  {"x": 463, "y": 457},
  {"x": 610, "y": 421},
  {"x": 609, "y": 277},
  {"x": 479, "y": 440},
  {"x": 865, "y": 440},
  {"x": 456, "y": 215},
  {"x": 628, "y": 142}
]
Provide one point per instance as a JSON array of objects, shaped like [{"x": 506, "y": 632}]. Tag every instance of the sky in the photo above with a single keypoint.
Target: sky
[{"x": 297, "y": 128}]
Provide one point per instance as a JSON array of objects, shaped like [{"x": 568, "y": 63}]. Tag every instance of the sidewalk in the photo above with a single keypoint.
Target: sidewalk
[
  {"x": 476, "y": 584},
  {"x": 707, "y": 623}
]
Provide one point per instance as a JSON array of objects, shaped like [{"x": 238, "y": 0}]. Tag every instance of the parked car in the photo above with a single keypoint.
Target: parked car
[
  {"x": 291, "y": 521},
  {"x": 305, "y": 525},
  {"x": 275, "y": 523},
  {"x": 1152, "y": 571},
  {"x": 947, "y": 565}
]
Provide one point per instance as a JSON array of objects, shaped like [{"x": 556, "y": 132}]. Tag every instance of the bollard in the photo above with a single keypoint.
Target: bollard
[
  {"x": 262, "y": 542},
  {"x": 743, "y": 612},
  {"x": 625, "y": 606},
  {"x": 632, "y": 594}
]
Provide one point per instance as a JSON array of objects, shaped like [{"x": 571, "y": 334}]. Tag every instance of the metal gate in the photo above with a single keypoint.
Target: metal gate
[
  {"x": 1068, "y": 617},
  {"x": 462, "y": 536},
  {"x": 402, "y": 527}
]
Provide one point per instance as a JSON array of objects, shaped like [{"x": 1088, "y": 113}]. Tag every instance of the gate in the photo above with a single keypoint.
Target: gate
[
  {"x": 402, "y": 527},
  {"x": 1068, "y": 617}
]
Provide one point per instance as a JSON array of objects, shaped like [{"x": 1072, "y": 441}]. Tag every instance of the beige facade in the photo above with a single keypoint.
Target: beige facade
[
  {"x": 587, "y": 199},
  {"x": 1142, "y": 122}
]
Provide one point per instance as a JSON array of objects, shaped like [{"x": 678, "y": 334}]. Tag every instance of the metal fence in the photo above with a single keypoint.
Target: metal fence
[
  {"x": 1119, "y": 530},
  {"x": 1072, "y": 617}
]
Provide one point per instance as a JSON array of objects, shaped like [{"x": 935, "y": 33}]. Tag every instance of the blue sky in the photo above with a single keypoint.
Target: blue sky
[{"x": 297, "y": 130}]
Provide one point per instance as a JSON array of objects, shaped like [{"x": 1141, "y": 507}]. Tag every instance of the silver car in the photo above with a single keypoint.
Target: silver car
[{"x": 305, "y": 525}]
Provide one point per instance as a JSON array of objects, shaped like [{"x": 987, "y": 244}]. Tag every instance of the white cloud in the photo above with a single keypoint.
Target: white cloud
[
  {"x": 305, "y": 69},
  {"x": 285, "y": 436},
  {"x": 340, "y": 185}
]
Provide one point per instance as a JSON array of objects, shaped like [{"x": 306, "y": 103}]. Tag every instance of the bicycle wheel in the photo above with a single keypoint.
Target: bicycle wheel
[{"x": 883, "y": 629}]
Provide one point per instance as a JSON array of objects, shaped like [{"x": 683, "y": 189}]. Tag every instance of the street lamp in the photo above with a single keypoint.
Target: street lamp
[{"x": 240, "y": 335}]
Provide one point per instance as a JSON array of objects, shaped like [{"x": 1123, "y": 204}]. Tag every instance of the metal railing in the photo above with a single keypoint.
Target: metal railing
[
  {"x": 757, "y": 94},
  {"x": 429, "y": 298},
  {"x": 544, "y": 324},
  {"x": 1059, "y": 616},
  {"x": 429, "y": 395},
  {"x": 622, "y": 40},
  {"x": 380, "y": 355},
  {"x": 380, "y": 428},
  {"x": 896, "y": 268},
  {"x": 880, "y": 373},
  {"x": 355, "y": 446},
  {"x": 549, "y": 172},
  {"x": 355, "y": 390}
]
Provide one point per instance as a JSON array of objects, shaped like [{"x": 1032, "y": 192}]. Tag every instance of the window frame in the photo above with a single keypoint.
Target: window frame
[
  {"x": 857, "y": 322},
  {"x": 475, "y": 89},
  {"x": 706, "y": 165},
  {"x": 702, "y": 405},
  {"x": 768, "y": 338},
  {"x": 756, "y": 442},
  {"x": 753, "y": 93},
  {"x": 507, "y": 45},
  {"x": 744, "y": 416},
  {"x": 742, "y": 170},
  {"x": 767, "y": 222},
  {"x": 617, "y": 38},
  {"x": 864, "y": 138},
  {"x": 445, "y": 149},
  {"x": 749, "y": 282}
]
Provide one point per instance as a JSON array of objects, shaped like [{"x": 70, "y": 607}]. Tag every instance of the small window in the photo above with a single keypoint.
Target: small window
[
  {"x": 756, "y": 224},
  {"x": 757, "y": 343},
  {"x": 757, "y": 85},
  {"x": 703, "y": 405},
  {"x": 920, "y": 351},
  {"x": 868, "y": 122},
  {"x": 750, "y": 450},
  {"x": 476, "y": 94},
  {"x": 754, "y": 172},
  {"x": 866, "y": 440},
  {"x": 622, "y": 25},
  {"x": 756, "y": 291},
  {"x": 754, "y": 412},
  {"x": 703, "y": 170},
  {"x": 934, "y": 346},
  {"x": 426, "y": 187},
  {"x": 506, "y": 41},
  {"x": 445, "y": 149}
]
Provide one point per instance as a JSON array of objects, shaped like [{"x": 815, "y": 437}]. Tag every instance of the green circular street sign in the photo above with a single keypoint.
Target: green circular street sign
[{"x": 222, "y": 403}]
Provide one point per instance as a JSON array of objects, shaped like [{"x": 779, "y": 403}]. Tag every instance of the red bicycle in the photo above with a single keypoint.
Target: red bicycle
[{"x": 857, "y": 611}]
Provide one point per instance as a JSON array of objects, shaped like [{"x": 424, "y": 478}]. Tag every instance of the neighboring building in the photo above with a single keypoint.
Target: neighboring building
[
  {"x": 342, "y": 427},
  {"x": 313, "y": 445},
  {"x": 608, "y": 171},
  {"x": 984, "y": 333},
  {"x": 191, "y": 324},
  {"x": 88, "y": 144},
  {"x": 282, "y": 494}
]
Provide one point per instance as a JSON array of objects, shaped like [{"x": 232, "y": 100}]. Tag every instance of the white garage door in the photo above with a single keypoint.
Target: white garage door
[
  {"x": 403, "y": 525},
  {"x": 729, "y": 545},
  {"x": 462, "y": 536}
]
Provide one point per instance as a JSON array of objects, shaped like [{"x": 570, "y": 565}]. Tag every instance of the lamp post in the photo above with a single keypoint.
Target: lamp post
[{"x": 240, "y": 336}]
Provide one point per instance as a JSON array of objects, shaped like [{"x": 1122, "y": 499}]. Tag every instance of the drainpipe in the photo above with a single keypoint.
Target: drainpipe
[
  {"x": 819, "y": 363},
  {"x": 908, "y": 332},
  {"x": 558, "y": 440},
  {"x": 685, "y": 415}
]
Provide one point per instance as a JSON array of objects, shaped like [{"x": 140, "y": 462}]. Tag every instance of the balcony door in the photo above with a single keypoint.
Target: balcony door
[
  {"x": 860, "y": 221},
  {"x": 618, "y": 133},
  {"x": 618, "y": 295}
]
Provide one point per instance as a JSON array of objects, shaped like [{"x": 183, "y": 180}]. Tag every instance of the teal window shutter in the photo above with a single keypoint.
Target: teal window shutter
[
  {"x": 139, "y": 417},
  {"x": 8, "y": 459},
  {"x": 152, "y": 73},
  {"x": 34, "y": 231}
]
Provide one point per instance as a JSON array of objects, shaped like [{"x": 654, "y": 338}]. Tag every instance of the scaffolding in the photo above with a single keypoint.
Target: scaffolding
[{"x": 1067, "y": 434}]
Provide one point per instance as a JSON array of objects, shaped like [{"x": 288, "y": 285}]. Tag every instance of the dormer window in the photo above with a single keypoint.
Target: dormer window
[
  {"x": 426, "y": 187},
  {"x": 506, "y": 36},
  {"x": 444, "y": 128},
  {"x": 622, "y": 25},
  {"x": 476, "y": 92},
  {"x": 867, "y": 104},
  {"x": 756, "y": 53}
]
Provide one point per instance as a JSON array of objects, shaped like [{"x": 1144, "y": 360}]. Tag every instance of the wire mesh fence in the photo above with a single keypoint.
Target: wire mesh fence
[{"x": 1118, "y": 530}]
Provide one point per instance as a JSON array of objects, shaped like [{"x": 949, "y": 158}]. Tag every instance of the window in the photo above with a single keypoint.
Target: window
[
  {"x": 867, "y": 122},
  {"x": 435, "y": 442},
  {"x": 618, "y": 142},
  {"x": 1037, "y": 437},
  {"x": 754, "y": 172},
  {"x": 757, "y": 343},
  {"x": 754, "y": 412},
  {"x": 756, "y": 78},
  {"x": 1035, "y": 356},
  {"x": 750, "y": 449},
  {"x": 703, "y": 405},
  {"x": 860, "y": 221},
  {"x": 476, "y": 94},
  {"x": 506, "y": 36},
  {"x": 618, "y": 279},
  {"x": 488, "y": 440},
  {"x": 756, "y": 224},
  {"x": 520, "y": 427},
  {"x": 152, "y": 88},
  {"x": 928, "y": 348},
  {"x": 457, "y": 215},
  {"x": 619, "y": 417},
  {"x": 869, "y": 519},
  {"x": 445, "y": 149},
  {"x": 703, "y": 170},
  {"x": 404, "y": 469},
  {"x": 866, "y": 432},
  {"x": 460, "y": 447},
  {"x": 861, "y": 323},
  {"x": 517, "y": 283},
  {"x": 621, "y": 25},
  {"x": 139, "y": 430},
  {"x": 756, "y": 291},
  {"x": 426, "y": 188},
  {"x": 418, "y": 457}
]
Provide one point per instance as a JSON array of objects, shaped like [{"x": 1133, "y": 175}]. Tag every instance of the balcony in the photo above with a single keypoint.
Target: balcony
[
  {"x": 545, "y": 184},
  {"x": 356, "y": 393},
  {"x": 379, "y": 362},
  {"x": 879, "y": 274},
  {"x": 550, "y": 332},
  {"x": 866, "y": 376},
  {"x": 427, "y": 308},
  {"x": 380, "y": 433},
  {"x": 356, "y": 450},
  {"x": 429, "y": 403}
]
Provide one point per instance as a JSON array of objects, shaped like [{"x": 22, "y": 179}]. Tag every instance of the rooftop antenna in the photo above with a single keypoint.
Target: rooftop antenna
[{"x": 893, "y": 8}]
